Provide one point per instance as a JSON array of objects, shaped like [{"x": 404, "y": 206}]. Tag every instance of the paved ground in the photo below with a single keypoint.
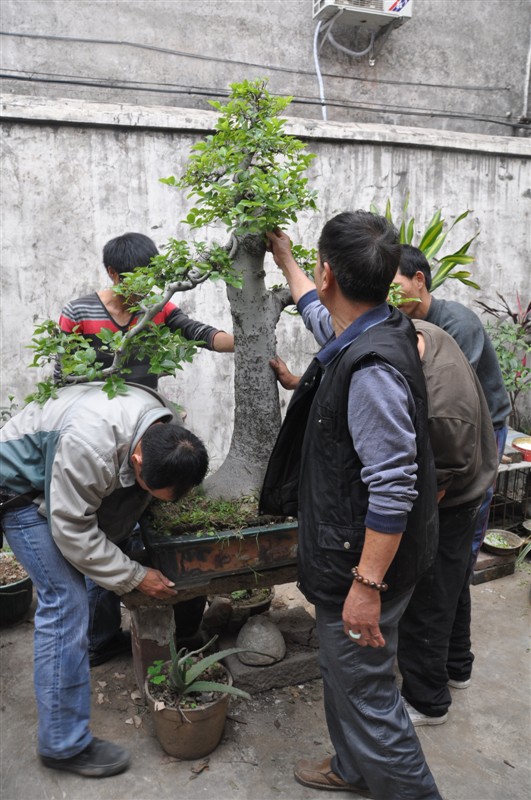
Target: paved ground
[{"x": 481, "y": 753}]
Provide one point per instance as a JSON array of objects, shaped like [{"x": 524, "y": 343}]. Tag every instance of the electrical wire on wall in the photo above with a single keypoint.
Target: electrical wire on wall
[
  {"x": 270, "y": 67},
  {"x": 525, "y": 112},
  {"x": 322, "y": 29},
  {"x": 195, "y": 91},
  {"x": 318, "y": 69}
]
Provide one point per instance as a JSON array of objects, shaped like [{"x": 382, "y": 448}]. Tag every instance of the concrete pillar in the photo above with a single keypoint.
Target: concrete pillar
[{"x": 151, "y": 629}]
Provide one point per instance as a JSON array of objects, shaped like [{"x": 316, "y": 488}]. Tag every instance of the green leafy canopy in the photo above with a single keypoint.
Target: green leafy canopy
[{"x": 249, "y": 175}]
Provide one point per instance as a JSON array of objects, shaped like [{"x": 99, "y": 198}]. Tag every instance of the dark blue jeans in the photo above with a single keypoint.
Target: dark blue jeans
[{"x": 434, "y": 632}]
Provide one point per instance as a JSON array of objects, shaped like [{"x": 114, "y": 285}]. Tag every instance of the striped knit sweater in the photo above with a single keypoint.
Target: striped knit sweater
[{"x": 88, "y": 316}]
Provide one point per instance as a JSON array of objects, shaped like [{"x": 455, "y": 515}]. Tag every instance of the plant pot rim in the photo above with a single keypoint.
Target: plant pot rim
[
  {"x": 26, "y": 580},
  {"x": 161, "y": 540},
  {"x": 191, "y": 560}
]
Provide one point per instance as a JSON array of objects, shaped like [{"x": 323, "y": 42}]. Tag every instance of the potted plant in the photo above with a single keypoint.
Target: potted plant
[
  {"x": 252, "y": 601},
  {"x": 511, "y": 337},
  {"x": 188, "y": 697},
  {"x": 202, "y": 539},
  {"x": 230, "y": 610},
  {"x": 16, "y": 588},
  {"x": 248, "y": 176}
]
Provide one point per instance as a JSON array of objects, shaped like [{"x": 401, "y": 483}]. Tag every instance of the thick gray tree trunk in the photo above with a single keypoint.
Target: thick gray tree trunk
[{"x": 255, "y": 312}]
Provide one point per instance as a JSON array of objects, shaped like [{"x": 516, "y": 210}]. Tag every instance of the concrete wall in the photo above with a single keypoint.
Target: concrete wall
[
  {"x": 77, "y": 174},
  {"x": 456, "y": 64}
]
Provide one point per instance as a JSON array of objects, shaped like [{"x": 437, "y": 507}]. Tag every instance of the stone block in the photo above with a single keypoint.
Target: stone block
[
  {"x": 490, "y": 566},
  {"x": 299, "y": 665}
]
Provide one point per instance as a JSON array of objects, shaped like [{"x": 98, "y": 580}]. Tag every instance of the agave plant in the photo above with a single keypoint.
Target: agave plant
[
  {"x": 431, "y": 243},
  {"x": 183, "y": 675}
]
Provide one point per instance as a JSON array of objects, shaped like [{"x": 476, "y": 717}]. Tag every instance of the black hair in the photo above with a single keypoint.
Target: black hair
[
  {"x": 127, "y": 252},
  {"x": 413, "y": 260},
  {"x": 363, "y": 252},
  {"x": 172, "y": 456}
]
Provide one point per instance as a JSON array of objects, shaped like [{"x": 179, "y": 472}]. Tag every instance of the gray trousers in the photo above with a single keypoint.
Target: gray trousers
[{"x": 374, "y": 740}]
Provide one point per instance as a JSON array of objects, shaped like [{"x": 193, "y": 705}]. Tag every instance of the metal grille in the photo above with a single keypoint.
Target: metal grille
[
  {"x": 511, "y": 503},
  {"x": 374, "y": 5}
]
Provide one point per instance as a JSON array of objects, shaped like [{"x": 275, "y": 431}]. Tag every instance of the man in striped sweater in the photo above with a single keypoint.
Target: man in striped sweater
[{"x": 90, "y": 314}]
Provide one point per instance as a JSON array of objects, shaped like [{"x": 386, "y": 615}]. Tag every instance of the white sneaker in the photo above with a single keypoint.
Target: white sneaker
[
  {"x": 418, "y": 719},
  {"x": 459, "y": 684}
]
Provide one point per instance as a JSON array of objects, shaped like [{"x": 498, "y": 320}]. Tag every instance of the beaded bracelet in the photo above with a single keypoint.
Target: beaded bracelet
[{"x": 380, "y": 587}]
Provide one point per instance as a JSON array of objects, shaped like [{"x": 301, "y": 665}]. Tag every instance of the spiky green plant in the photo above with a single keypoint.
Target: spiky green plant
[
  {"x": 183, "y": 676},
  {"x": 431, "y": 242}
]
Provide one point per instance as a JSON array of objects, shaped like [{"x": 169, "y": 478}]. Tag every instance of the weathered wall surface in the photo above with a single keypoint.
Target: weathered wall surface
[
  {"x": 456, "y": 64},
  {"x": 77, "y": 174}
]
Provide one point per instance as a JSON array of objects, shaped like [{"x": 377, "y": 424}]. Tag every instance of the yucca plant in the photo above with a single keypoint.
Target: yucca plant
[
  {"x": 431, "y": 243},
  {"x": 182, "y": 674}
]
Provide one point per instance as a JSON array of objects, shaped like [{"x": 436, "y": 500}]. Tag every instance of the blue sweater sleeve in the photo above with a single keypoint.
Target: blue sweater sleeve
[
  {"x": 315, "y": 317},
  {"x": 381, "y": 413}
]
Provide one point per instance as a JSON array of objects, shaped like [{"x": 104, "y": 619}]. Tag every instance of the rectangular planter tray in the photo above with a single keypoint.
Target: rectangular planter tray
[{"x": 192, "y": 560}]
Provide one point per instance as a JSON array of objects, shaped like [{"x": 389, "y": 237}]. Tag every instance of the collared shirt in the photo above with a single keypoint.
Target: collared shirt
[{"x": 381, "y": 412}]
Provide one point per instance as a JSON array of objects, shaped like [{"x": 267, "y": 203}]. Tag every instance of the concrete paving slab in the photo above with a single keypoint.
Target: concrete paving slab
[{"x": 481, "y": 753}]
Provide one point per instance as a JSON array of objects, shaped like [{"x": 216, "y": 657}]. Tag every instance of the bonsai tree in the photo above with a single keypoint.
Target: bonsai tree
[{"x": 248, "y": 175}]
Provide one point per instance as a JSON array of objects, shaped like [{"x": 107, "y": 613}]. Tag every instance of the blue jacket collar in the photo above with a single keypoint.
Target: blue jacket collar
[{"x": 372, "y": 317}]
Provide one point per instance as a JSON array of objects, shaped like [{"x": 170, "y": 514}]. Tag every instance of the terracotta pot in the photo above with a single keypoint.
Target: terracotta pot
[
  {"x": 190, "y": 733},
  {"x": 15, "y": 599}
]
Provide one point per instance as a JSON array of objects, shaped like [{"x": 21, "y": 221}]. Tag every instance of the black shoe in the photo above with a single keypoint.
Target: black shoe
[
  {"x": 99, "y": 760},
  {"x": 117, "y": 646}
]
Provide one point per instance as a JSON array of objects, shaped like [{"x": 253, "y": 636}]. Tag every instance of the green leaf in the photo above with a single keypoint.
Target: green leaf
[
  {"x": 430, "y": 236},
  {"x": 224, "y": 688}
]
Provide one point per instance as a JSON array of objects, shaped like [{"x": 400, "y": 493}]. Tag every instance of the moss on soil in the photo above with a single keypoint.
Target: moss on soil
[{"x": 198, "y": 514}]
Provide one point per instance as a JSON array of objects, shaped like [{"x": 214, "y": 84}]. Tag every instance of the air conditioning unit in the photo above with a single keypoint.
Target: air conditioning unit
[{"x": 368, "y": 13}]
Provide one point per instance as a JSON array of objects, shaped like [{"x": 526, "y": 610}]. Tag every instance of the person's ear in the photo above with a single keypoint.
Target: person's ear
[
  {"x": 113, "y": 275},
  {"x": 327, "y": 276},
  {"x": 136, "y": 458},
  {"x": 420, "y": 279}
]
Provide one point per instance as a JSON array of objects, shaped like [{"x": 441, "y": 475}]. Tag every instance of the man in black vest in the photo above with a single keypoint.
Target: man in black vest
[{"x": 353, "y": 462}]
